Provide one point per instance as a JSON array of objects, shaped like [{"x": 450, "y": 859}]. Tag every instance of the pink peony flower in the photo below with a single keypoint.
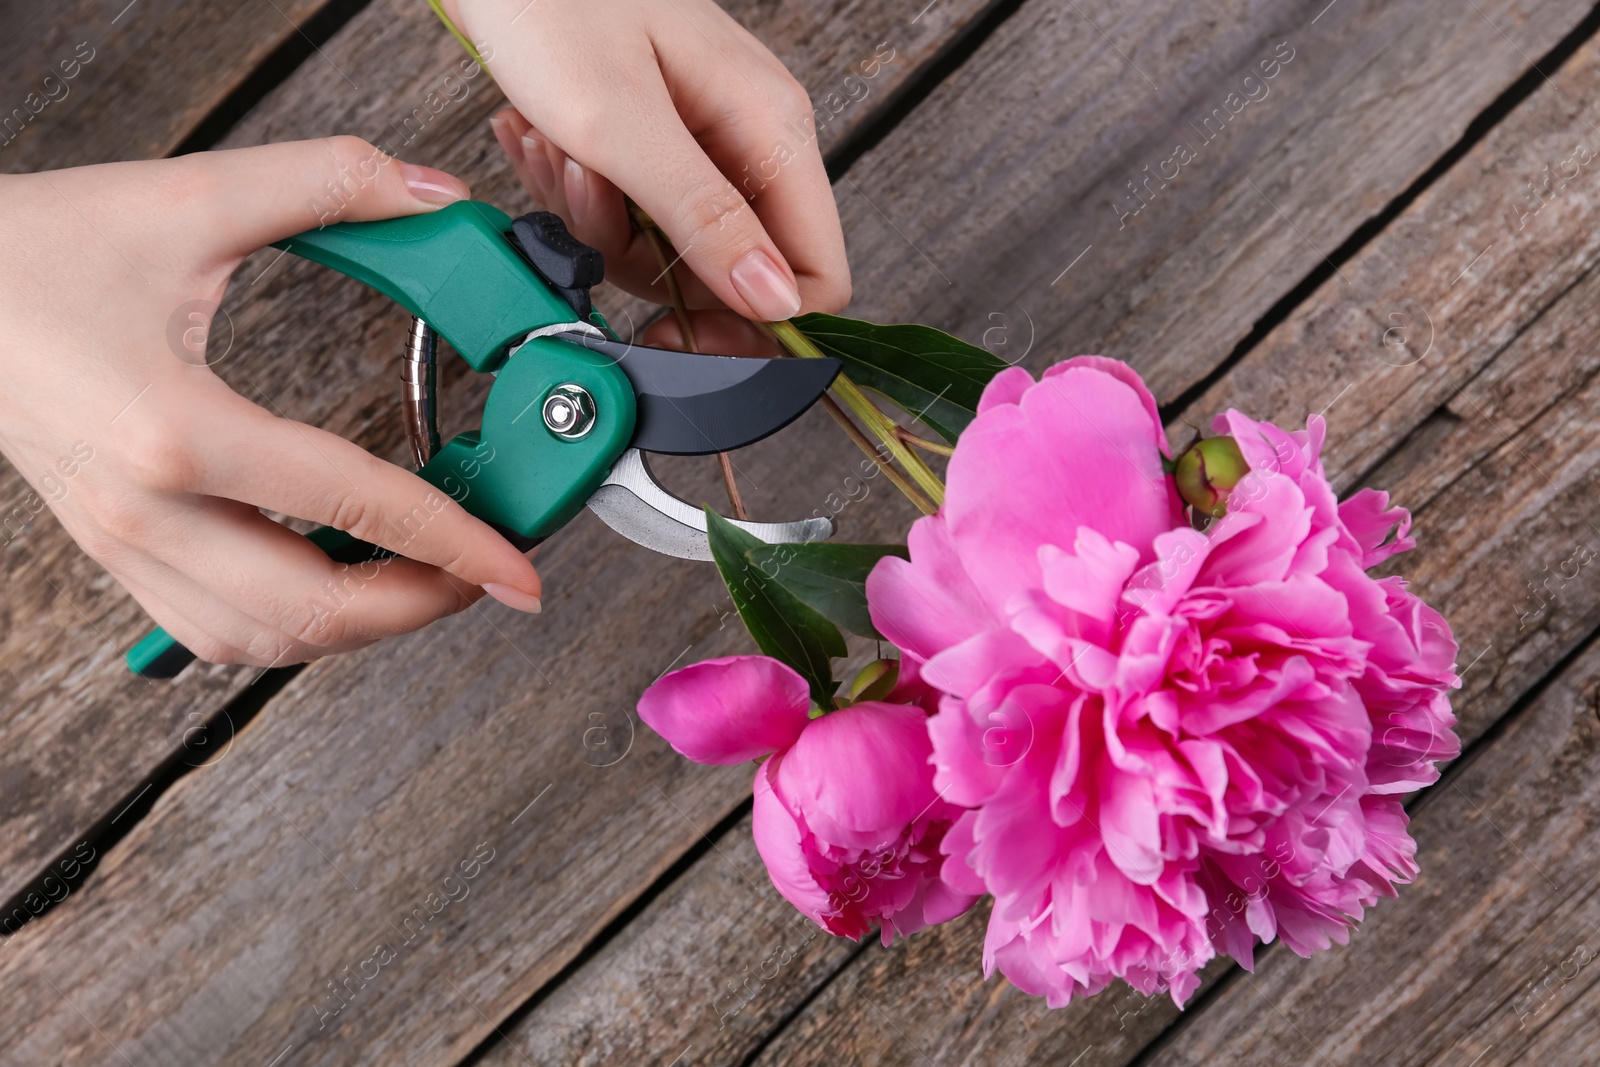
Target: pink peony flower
[
  {"x": 1174, "y": 744},
  {"x": 846, "y": 817}
]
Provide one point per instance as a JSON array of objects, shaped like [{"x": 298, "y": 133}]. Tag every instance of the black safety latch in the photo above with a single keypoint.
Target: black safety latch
[{"x": 570, "y": 266}]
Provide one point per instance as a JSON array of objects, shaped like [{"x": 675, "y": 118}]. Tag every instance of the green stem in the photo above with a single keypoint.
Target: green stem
[
  {"x": 900, "y": 481},
  {"x": 876, "y": 422},
  {"x": 923, "y": 443}
]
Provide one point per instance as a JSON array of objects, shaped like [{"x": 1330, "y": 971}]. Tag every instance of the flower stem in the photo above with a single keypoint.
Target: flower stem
[
  {"x": 731, "y": 486},
  {"x": 658, "y": 245},
  {"x": 936, "y": 447},
  {"x": 880, "y": 425},
  {"x": 680, "y": 309},
  {"x": 901, "y": 482}
]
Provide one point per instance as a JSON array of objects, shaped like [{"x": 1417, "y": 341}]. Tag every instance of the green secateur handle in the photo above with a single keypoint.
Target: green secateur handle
[{"x": 458, "y": 270}]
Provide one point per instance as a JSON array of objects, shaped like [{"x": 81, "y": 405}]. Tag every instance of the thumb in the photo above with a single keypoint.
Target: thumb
[{"x": 265, "y": 194}]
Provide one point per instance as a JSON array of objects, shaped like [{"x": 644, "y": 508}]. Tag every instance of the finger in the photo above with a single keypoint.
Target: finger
[
  {"x": 234, "y": 450},
  {"x": 248, "y": 198},
  {"x": 289, "y": 587},
  {"x": 597, "y": 213},
  {"x": 205, "y": 625},
  {"x": 649, "y": 153},
  {"x": 197, "y": 620},
  {"x": 508, "y": 127},
  {"x": 719, "y": 333},
  {"x": 549, "y": 165},
  {"x": 767, "y": 143}
]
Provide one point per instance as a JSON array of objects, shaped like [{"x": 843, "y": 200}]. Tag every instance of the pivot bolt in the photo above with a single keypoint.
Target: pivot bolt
[{"x": 569, "y": 411}]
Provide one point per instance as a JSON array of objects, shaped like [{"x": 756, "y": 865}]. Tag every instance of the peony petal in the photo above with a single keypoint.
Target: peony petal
[
  {"x": 729, "y": 710},
  {"x": 1089, "y": 580},
  {"x": 927, "y": 603},
  {"x": 1124, "y": 374},
  {"x": 1079, "y": 449},
  {"x": 1006, "y": 387},
  {"x": 859, "y": 773},
  {"x": 1370, "y": 520},
  {"x": 778, "y": 840}
]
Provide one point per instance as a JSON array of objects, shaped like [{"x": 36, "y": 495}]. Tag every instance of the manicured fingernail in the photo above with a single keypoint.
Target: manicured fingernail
[
  {"x": 513, "y": 598},
  {"x": 770, "y": 294},
  {"x": 533, "y": 150},
  {"x": 577, "y": 183},
  {"x": 433, "y": 186}
]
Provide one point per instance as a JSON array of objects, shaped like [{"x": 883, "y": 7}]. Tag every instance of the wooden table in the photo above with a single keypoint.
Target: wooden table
[{"x": 230, "y": 851}]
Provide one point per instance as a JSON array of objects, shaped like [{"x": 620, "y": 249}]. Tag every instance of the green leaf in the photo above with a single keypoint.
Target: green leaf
[
  {"x": 935, "y": 377},
  {"x": 830, "y": 578},
  {"x": 783, "y": 626}
]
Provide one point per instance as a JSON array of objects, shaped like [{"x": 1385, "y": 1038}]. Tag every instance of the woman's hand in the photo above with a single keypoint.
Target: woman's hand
[
  {"x": 108, "y": 276},
  {"x": 674, "y": 104}
]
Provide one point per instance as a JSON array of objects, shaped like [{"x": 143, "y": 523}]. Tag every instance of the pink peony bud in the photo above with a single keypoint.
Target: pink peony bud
[
  {"x": 1208, "y": 472},
  {"x": 849, "y": 824},
  {"x": 846, "y": 818}
]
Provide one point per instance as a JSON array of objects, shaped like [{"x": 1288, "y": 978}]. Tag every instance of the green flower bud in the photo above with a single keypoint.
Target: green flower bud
[
  {"x": 1207, "y": 473},
  {"x": 876, "y": 680}
]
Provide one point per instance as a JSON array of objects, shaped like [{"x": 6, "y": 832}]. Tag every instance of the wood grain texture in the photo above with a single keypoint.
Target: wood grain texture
[
  {"x": 653, "y": 992},
  {"x": 974, "y": 213},
  {"x": 80, "y": 736},
  {"x": 365, "y": 755},
  {"x": 154, "y": 69},
  {"x": 1491, "y": 514}
]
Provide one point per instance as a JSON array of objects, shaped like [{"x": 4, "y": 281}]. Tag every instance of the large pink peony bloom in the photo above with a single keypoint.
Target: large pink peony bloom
[
  {"x": 1175, "y": 743},
  {"x": 846, "y": 817}
]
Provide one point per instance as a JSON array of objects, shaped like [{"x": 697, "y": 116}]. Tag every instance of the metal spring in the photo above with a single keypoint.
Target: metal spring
[{"x": 418, "y": 382}]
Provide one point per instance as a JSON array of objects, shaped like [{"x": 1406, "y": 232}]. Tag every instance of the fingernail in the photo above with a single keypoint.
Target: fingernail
[
  {"x": 577, "y": 191},
  {"x": 513, "y": 598},
  {"x": 533, "y": 151},
  {"x": 433, "y": 186},
  {"x": 770, "y": 294}
]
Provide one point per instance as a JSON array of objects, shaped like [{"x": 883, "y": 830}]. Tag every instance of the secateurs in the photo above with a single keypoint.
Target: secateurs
[{"x": 572, "y": 410}]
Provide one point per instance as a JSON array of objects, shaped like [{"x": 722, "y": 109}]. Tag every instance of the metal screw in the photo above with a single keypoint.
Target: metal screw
[{"x": 569, "y": 411}]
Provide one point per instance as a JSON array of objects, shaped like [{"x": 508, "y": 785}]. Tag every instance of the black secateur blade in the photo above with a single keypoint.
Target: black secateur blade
[
  {"x": 692, "y": 404},
  {"x": 689, "y": 404}
]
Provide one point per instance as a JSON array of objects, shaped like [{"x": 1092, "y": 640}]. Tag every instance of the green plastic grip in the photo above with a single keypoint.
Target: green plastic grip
[
  {"x": 455, "y": 268},
  {"x": 518, "y": 474}
]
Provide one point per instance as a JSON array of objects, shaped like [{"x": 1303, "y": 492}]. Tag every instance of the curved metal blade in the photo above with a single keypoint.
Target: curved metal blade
[
  {"x": 693, "y": 405},
  {"x": 634, "y": 504}
]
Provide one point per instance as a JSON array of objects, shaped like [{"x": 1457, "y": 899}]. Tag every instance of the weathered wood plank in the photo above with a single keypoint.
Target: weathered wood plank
[
  {"x": 445, "y": 664},
  {"x": 81, "y": 736},
  {"x": 91, "y": 81},
  {"x": 635, "y": 1001},
  {"x": 1478, "y": 547},
  {"x": 975, "y": 212}
]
